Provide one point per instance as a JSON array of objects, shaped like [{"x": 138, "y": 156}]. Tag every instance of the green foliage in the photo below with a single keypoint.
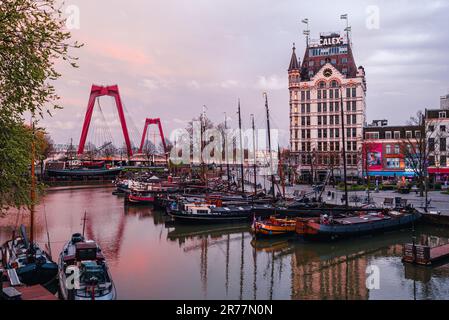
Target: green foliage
[
  {"x": 32, "y": 38},
  {"x": 15, "y": 159}
]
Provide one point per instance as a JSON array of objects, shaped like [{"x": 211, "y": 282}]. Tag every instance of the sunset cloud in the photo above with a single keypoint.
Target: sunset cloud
[{"x": 170, "y": 58}]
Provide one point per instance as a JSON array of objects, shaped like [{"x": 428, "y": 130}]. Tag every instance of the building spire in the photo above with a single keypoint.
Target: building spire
[{"x": 294, "y": 64}]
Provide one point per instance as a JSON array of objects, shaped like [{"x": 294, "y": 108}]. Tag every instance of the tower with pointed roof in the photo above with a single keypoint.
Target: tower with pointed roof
[{"x": 327, "y": 72}]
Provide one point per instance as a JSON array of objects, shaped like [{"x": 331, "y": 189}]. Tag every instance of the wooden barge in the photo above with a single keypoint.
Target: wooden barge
[{"x": 424, "y": 255}]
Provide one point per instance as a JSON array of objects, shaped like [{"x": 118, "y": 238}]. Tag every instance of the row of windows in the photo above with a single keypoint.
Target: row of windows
[
  {"x": 442, "y": 128},
  {"x": 325, "y": 93},
  {"x": 333, "y": 106},
  {"x": 325, "y": 133},
  {"x": 393, "y": 135},
  {"x": 314, "y": 52},
  {"x": 443, "y": 161},
  {"x": 307, "y": 159},
  {"x": 351, "y": 119},
  {"x": 333, "y": 94},
  {"x": 390, "y": 148},
  {"x": 326, "y": 146},
  {"x": 323, "y": 107},
  {"x": 442, "y": 144},
  {"x": 333, "y": 61}
]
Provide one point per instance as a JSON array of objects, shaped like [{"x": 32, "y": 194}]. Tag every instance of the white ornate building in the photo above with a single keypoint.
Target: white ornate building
[{"x": 326, "y": 77}]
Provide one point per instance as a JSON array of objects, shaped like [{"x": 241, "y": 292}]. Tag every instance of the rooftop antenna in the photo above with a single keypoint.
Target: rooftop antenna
[
  {"x": 348, "y": 28},
  {"x": 306, "y": 32}
]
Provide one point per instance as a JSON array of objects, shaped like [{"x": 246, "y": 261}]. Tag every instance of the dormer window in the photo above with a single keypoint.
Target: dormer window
[{"x": 442, "y": 114}]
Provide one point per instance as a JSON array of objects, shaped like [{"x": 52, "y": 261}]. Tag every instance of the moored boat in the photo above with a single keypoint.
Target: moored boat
[
  {"x": 141, "y": 197},
  {"x": 83, "y": 259},
  {"x": 333, "y": 227},
  {"x": 208, "y": 213},
  {"x": 32, "y": 264},
  {"x": 274, "y": 226}
]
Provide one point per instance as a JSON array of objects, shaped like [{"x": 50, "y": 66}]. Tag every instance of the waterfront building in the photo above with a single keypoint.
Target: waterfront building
[
  {"x": 437, "y": 126},
  {"x": 326, "y": 80},
  {"x": 384, "y": 149}
]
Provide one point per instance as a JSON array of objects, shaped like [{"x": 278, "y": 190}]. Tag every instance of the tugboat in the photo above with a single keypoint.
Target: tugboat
[
  {"x": 85, "y": 257},
  {"x": 274, "y": 227}
]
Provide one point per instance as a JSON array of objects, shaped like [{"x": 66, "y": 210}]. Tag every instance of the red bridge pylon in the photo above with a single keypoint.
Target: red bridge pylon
[
  {"x": 149, "y": 121},
  {"x": 98, "y": 91}
]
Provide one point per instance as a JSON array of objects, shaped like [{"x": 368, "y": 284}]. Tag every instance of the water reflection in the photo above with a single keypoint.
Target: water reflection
[{"x": 151, "y": 258}]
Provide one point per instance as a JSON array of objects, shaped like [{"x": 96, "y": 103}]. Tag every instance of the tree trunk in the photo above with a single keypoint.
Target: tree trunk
[{"x": 421, "y": 187}]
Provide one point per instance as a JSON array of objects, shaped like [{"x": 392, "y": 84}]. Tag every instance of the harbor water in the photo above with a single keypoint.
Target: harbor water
[{"x": 152, "y": 259}]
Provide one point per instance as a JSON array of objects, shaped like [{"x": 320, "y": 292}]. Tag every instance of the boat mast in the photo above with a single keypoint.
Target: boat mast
[
  {"x": 343, "y": 145},
  {"x": 254, "y": 151},
  {"x": 84, "y": 222},
  {"x": 269, "y": 144},
  {"x": 281, "y": 172},
  {"x": 33, "y": 183},
  {"x": 242, "y": 155},
  {"x": 226, "y": 152},
  {"x": 202, "y": 145}
]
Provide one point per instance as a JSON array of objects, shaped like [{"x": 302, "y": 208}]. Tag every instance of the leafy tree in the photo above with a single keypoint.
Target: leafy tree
[
  {"x": 15, "y": 159},
  {"x": 43, "y": 146},
  {"x": 32, "y": 38}
]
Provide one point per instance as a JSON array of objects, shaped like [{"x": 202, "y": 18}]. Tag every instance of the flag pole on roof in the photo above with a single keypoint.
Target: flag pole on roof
[
  {"x": 348, "y": 28},
  {"x": 307, "y": 31}
]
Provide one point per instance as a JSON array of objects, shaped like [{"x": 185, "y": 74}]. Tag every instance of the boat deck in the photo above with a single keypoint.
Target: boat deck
[
  {"x": 359, "y": 219},
  {"x": 36, "y": 292}
]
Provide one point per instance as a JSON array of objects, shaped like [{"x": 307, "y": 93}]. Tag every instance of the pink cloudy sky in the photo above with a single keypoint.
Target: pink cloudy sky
[{"x": 171, "y": 57}]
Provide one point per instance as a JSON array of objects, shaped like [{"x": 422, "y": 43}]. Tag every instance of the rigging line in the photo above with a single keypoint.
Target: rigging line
[
  {"x": 46, "y": 227},
  {"x": 106, "y": 130},
  {"x": 132, "y": 125}
]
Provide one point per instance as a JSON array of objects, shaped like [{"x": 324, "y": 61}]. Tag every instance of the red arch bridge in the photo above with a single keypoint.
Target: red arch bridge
[{"x": 113, "y": 91}]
